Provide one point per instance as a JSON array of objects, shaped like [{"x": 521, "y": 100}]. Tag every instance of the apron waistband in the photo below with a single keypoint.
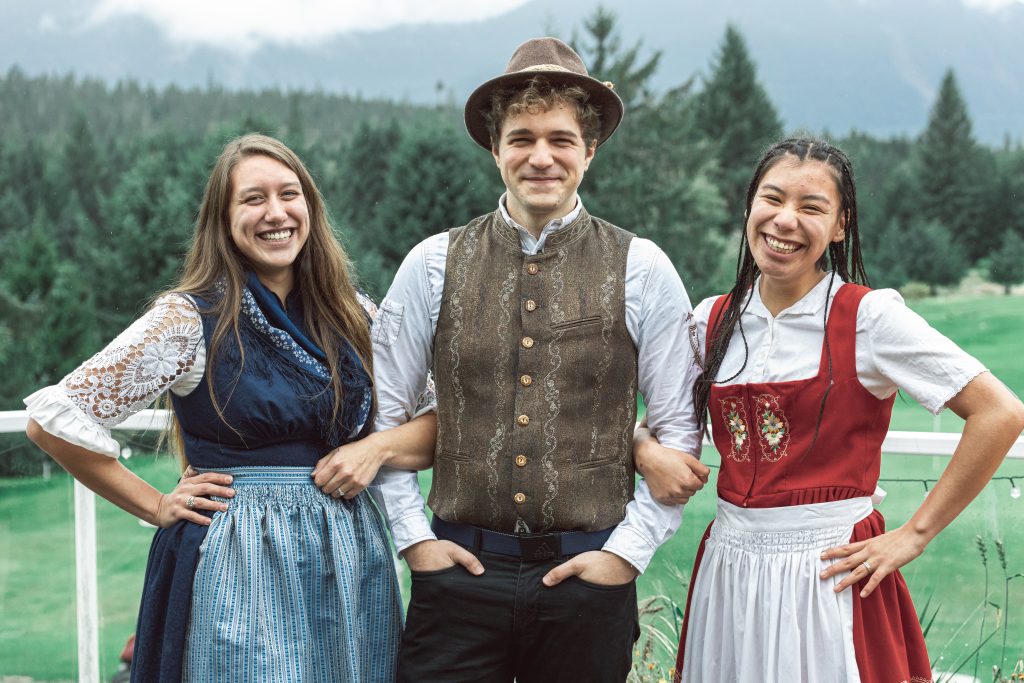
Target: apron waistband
[
  {"x": 264, "y": 475},
  {"x": 794, "y": 517}
]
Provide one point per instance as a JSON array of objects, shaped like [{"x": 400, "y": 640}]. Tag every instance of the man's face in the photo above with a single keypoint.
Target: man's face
[{"x": 542, "y": 158}]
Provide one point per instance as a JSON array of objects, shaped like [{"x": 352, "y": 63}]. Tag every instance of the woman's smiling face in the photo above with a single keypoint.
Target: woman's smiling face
[
  {"x": 269, "y": 216},
  {"x": 795, "y": 215}
]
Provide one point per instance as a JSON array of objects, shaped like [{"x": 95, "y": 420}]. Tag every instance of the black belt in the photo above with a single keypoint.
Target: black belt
[{"x": 529, "y": 547}]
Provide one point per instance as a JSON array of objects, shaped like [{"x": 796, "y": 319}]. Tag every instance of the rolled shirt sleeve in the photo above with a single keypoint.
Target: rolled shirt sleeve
[
  {"x": 403, "y": 336},
  {"x": 657, "y": 311}
]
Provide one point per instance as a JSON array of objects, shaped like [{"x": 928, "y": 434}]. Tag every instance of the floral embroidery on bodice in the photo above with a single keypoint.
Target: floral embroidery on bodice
[
  {"x": 735, "y": 418},
  {"x": 145, "y": 360},
  {"x": 772, "y": 428}
]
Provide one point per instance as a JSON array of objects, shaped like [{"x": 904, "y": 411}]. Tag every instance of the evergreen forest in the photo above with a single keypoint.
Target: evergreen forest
[{"x": 100, "y": 184}]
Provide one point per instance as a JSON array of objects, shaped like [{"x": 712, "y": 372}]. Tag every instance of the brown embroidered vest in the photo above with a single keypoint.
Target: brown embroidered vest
[{"x": 536, "y": 379}]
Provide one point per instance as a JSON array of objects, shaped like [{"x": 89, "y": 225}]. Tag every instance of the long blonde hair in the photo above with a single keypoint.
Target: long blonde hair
[{"x": 322, "y": 268}]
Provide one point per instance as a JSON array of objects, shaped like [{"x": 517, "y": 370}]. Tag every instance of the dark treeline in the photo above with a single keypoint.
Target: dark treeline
[{"x": 100, "y": 187}]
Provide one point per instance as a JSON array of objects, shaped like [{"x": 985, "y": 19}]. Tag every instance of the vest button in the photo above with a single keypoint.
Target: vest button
[
  {"x": 527, "y": 342},
  {"x": 531, "y": 305},
  {"x": 532, "y": 269},
  {"x": 519, "y": 498},
  {"x": 523, "y": 420},
  {"x": 521, "y": 461},
  {"x": 526, "y": 380}
]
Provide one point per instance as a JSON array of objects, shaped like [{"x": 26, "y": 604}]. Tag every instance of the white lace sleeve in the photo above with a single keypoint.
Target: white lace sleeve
[
  {"x": 427, "y": 401},
  {"x": 162, "y": 350}
]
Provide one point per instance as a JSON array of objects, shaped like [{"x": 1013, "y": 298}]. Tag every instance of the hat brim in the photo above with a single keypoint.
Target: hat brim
[{"x": 604, "y": 98}]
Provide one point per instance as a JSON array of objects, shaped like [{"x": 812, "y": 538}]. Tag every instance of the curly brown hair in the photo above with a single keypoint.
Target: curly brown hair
[{"x": 540, "y": 95}]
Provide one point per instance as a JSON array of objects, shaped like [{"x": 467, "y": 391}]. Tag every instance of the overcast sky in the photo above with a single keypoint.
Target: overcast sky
[
  {"x": 992, "y": 4},
  {"x": 243, "y": 25}
]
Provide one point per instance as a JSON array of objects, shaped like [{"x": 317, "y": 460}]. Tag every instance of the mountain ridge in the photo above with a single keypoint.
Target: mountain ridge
[{"x": 836, "y": 65}]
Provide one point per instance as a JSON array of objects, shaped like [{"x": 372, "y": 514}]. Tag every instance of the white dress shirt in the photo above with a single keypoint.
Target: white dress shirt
[
  {"x": 656, "y": 306},
  {"x": 895, "y": 347}
]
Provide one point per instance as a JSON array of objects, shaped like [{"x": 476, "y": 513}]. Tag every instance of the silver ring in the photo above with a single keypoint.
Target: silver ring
[
  {"x": 190, "y": 502},
  {"x": 866, "y": 566}
]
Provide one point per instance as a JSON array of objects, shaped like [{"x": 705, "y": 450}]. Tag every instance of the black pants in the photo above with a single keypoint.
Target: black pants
[{"x": 506, "y": 624}]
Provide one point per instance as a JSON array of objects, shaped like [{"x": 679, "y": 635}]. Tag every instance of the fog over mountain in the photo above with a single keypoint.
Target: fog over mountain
[{"x": 874, "y": 65}]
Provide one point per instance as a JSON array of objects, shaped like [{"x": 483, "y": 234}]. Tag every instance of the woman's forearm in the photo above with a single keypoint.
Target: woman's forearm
[
  {"x": 100, "y": 473},
  {"x": 409, "y": 446},
  {"x": 994, "y": 418}
]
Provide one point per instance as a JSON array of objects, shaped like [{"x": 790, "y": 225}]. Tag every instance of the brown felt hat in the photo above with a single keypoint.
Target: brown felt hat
[{"x": 559, "y": 65}]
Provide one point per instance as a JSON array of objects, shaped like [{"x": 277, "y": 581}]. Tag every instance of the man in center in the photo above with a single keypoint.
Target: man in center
[{"x": 540, "y": 323}]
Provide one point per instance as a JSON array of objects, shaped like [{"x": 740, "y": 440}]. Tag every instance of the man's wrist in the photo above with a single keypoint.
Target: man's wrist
[
  {"x": 411, "y": 550},
  {"x": 631, "y": 547},
  {"x": 406, "y": 534},
  {"x": 626, "y": 564}
]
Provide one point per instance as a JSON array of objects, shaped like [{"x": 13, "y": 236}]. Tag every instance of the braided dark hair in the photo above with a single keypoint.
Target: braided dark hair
[{"x": 842, "y": 257}]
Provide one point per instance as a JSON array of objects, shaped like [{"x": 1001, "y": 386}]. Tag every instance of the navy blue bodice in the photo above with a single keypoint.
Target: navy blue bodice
[{"x": 278, "y": 409}]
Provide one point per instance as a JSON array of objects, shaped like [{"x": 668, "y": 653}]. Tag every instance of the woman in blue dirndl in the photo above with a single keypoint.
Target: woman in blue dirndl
[{"x": 264, "y": 345}]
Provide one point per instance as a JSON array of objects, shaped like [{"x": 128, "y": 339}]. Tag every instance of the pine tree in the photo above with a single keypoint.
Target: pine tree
[
  {"x": 294, "y": 133},
  {"x": 735, "y": 113},
  {"x": 654, "y": 176},
  {"x": 602, "y": 52},
  {"x": 29, "y": 260},
  {"x": 438, "y": 179},
  {"x": 359, "y": 189},
  {"x": 949, "y": 172},
  {"x": 655, "y": 181},
  {"x": 885, "y": 208},
  {"x": 72, "y": 227},
  {"x": 930, "y": 254},
  {"x": 84, "y": 166},
  {"x": 69, "y": 332},
  {"x": 18, "y": 322},
  {"x": 139, "y": 246},
  {"x": 1004, "y": 191},
  {"x": 13, "y": 209},
  {"x": 886, "y": 256},
  {"x": 355, "y": 189},
  {"x": 23, "y": 166},
  {"x": 1006, "y": 265},
  {"x": 883, "y": 179}
]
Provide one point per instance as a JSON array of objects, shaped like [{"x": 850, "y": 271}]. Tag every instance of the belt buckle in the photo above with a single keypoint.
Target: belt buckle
[{"x": 537, "y": 547}]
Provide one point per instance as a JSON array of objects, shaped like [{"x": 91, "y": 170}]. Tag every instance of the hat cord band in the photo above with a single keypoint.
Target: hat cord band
[{"x": 547, "y": 67}]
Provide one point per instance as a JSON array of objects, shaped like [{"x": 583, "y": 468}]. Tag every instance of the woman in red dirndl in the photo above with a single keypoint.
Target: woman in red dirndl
[{"x": 801, "y": 365}]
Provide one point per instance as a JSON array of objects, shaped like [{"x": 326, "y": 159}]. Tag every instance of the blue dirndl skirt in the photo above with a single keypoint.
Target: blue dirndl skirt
[{"x": 290, "y": 585}]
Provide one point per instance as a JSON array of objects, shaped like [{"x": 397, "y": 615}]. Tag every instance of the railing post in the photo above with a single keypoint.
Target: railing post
[{"x": 85, "y": 582}]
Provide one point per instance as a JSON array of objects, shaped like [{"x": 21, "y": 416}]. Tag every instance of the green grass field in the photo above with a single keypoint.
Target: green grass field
[{"x": 37, "y": 560}]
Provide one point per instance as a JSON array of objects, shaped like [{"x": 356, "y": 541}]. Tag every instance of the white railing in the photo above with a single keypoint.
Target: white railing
[{"x": 908, "y": 443}]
